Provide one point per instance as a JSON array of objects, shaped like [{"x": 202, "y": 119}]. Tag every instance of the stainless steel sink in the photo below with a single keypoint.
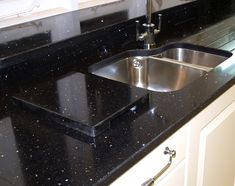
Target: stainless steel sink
[
  {"x": 169, "y": 68},
  {"x": 150, "y": 73}
]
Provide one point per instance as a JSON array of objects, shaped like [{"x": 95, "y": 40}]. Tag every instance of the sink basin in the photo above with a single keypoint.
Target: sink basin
[
  {"x": 166, "y": 69},
  {"x": 150, "y": 73},
  {"x": 196, "y": 56}
]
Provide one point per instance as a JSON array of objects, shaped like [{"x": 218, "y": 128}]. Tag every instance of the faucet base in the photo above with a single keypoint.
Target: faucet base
[
  {"x": 149, "y": 40},
  {"x": 149, "y": 46}
]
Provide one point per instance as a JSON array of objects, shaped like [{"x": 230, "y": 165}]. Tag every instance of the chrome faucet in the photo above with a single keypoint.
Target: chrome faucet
[{"x": 150, "y": 31}]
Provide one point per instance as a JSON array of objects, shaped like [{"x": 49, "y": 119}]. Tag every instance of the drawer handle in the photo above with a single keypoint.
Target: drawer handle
[{"x": 151, "y": 181}]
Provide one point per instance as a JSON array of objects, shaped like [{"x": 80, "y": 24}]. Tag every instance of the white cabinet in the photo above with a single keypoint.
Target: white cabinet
[
  {"x": 216, "y": 165},
  {"x": 211, "y": 150},
  {"x": 205, "y": 151}
]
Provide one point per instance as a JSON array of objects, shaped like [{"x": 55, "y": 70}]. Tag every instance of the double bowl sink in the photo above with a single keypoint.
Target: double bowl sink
[{"x": 165, "y": 69}]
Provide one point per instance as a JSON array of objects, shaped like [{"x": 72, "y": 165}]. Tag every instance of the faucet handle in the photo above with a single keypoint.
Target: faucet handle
[
  {"x": 137, "y": 28},
  {"x": 159, "y": 22},
  {"x": 139, "y": 37},
  {"x": 156, "y": 31}
]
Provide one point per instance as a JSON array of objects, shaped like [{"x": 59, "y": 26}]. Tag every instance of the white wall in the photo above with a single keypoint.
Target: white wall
[{"x": 9, "y": 7}]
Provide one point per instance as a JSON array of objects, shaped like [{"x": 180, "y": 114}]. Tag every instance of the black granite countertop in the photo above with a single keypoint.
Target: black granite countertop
[{"x": 35, "y": 150}]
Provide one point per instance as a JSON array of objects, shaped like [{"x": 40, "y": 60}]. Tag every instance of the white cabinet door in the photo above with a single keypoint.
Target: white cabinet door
[
  {"x": 197, "y": 125},
  {"x": 216, "y": 166}
]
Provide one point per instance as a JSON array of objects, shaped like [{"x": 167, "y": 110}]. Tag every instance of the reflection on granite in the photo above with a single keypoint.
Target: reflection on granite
[
  {"x": 10, "y": 174},
  {"x": 104, "y": 21},
  {"x": 15, "y": 47},
  {"x": 216, "y": 39}
]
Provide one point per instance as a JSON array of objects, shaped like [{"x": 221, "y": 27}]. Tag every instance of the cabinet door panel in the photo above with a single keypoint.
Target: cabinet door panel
[{"x": 217, "y": 151}]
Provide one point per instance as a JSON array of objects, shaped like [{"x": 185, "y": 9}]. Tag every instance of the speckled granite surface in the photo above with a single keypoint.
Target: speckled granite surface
[{"x": 35, "y": 151}]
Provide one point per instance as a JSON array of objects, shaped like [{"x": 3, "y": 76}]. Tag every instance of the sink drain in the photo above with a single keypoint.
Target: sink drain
[{"x": 137, "y": 63}]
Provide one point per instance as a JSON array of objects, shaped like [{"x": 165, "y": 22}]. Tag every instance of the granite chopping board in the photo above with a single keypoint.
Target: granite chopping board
[{"x": 85, "y": 103}]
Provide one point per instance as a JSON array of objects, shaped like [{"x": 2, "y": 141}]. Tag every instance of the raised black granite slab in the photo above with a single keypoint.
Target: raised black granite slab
[
  {"x": 34, "y": 152},
  {"x": 80, "y": 102}
]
